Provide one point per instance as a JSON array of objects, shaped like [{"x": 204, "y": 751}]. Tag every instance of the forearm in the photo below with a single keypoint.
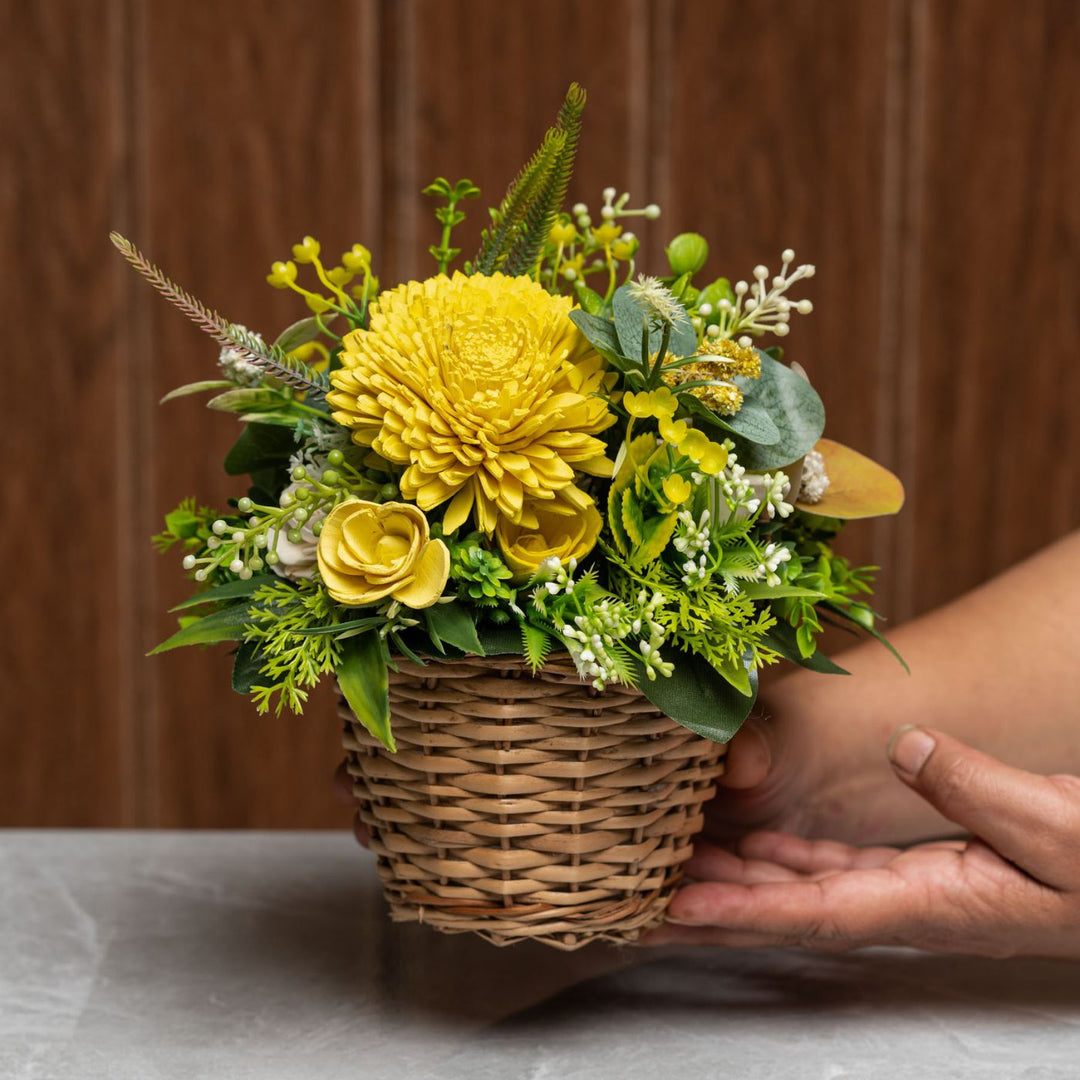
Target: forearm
[{"x": 999, "y": 668}]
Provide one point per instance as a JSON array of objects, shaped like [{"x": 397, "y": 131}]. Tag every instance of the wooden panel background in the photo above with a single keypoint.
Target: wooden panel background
[{"x": 923, "y": 153}]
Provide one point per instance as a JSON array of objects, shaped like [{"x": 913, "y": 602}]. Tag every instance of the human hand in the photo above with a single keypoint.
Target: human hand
[
  {"x": 343, "y": 790},
  {"x": 1014, "y": 889}
]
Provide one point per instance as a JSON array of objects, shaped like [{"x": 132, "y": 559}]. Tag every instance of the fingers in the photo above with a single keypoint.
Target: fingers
[
  {"x": 711, "y": 863},
  {"x": 1033, "y": 821},
  {"x": 748, "y": 758},
  {"x": 843, "y": 911},
  {"x": 812, "y": 856}
]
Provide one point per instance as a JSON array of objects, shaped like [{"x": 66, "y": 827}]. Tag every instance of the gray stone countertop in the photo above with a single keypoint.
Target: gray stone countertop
[{"x": 227, "y": 956}]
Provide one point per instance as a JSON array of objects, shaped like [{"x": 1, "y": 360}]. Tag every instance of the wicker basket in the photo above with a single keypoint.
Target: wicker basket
[{"x": 529, "y": 807}]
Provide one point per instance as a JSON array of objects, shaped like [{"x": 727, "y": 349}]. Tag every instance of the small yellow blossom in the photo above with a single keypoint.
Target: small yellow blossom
[
  {"x": 562, "y": 232},
  {"x": 606, "y": 233},
  {"x": 307, "y": 250},
  {"x": 676, "y": 488},
  {"x": 557, "y": 534},
  {"x": 356, "y": 259},
  {"x": 624, "y": 249},
  {"x": 282, "y": 274},
  {"x": 659, "y": 403},
  {"x": 710, "y": 457},
  {"x": 369, "y": 551},
  {"x": 673, "y": 431}
]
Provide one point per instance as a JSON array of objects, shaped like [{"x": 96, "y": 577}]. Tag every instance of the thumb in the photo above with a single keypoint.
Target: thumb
[{"x": 1026, "y": 818}]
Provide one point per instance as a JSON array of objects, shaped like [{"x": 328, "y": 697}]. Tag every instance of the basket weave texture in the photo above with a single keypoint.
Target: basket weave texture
[{"x": 528, "y": 807}]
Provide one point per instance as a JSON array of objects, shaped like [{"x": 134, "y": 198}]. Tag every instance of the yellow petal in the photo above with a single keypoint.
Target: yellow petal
[
  {"x": 457, "y": 513},
  {"x": 858, "y": 486},
  {"x": 432, "y": 571}
]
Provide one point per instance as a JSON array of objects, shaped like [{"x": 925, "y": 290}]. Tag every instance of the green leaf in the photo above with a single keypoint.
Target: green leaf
[
  {"x": 793, "y": 405},
  {"x": 260, "y": 446},
  {"x": 502, "y": 640},
  {"x": 247, "y": 664},
  {"x": 873, "y": 631},
  {"x": 230, "y": 591},
  {"x": 700, "y": 698},
  {"x": 300, "y": 333},
  {"x": 629, "y": 315},
  {"x": 365, "y": 684},
  {"x": 224, "y": 625},
  {"x": 591, "y": 301},
  {"x": 759, "y": 590},
  {"x": 196, "y": 388},
  {"x": 453, "y": 624},
  {"x": 782, "y": 638},
  {"x": 751, "y": 422},
  {"x": 244, "y": 398},
  {"x": 599, "y": 332},
  {"x": 404, "y": 649}
]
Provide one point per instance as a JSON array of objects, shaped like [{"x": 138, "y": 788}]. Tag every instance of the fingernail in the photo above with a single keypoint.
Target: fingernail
[{"x": 909, "y": 749}]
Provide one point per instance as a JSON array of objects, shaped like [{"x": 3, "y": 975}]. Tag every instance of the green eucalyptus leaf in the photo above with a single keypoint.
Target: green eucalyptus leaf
[
  {"x": 225, "y": 625},
  {"x": 365, "y": 685},
  {"x": 700, "y": 698},
  {"x": 630, "y": 317},
  {"x": 196, "y": 388},
  {"x": 453, "y": 624},
  {"x": 300, "y": 333},
  {"x": 751, "y": 422},
  {"x": 599, "y": 332},
  {"x": 592, "y": 302},
  {"x": 794, "y": 407}
]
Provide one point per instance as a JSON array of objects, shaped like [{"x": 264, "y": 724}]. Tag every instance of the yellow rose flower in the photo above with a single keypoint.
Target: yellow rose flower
[
  {"x": 562, "y": 532},
  {"x": 368, "y": 551}
]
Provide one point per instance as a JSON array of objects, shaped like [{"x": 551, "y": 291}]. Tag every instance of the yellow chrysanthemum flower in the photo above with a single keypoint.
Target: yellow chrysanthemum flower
[{"x": 483, "y": 388}]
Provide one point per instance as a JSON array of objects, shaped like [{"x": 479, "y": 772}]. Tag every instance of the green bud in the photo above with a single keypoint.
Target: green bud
[
  {"x": 294, "y": 536},
  {"x": 299, "y": 472},
  {"x": 317, "y": 527},
  {"x": 272, "y": 558},
  {"x": 331, "y": 476},
  {"x": 335, "y": 457},
  {"x": 687, "y": 253},
  {"x": 388, "y": 491},
  {"x": 302, "y": 494},
  {"x": 301, "y": 515}
]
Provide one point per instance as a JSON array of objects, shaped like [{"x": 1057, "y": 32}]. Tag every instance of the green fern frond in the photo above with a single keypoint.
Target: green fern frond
[
  {"x": 541, "y": 214},
  {"x": 274, "y": 361},
  {"x": 521, "y": 224},
  {"x": 536, "y": 644}
]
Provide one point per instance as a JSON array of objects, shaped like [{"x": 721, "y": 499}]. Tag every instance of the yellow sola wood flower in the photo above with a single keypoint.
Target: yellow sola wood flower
[
  {"x": 368, "y": 551},
  {"x": 483, "y": 388},
  {"x": 561, "y": 532}
]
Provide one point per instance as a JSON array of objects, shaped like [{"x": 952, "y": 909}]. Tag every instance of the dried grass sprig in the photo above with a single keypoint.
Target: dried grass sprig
[{"x": 271, "y": 359}]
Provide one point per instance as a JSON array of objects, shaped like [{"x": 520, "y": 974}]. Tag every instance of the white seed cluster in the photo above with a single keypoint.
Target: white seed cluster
[
  {"x": 692, "y": 540},
  {"x": 235, "y": 367},
  {"x": 771, "y": 558},
  {"x": 815, "y": 481},
  {"x": 777, "y": 485},
  {"x": 759, "y": 308},
  {"x": 653, "y": 294}
]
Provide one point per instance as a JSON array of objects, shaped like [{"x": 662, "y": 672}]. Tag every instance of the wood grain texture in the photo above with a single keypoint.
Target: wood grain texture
[
  {"x": 66, "y": 701},
  {"x": 991, "y": 433},
  {"x": 922, "y": 153},
  {"x": 254, "y": 138}
]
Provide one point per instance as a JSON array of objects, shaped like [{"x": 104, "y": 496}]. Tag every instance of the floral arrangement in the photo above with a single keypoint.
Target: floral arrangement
[{"x": 543, "y": 450}]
